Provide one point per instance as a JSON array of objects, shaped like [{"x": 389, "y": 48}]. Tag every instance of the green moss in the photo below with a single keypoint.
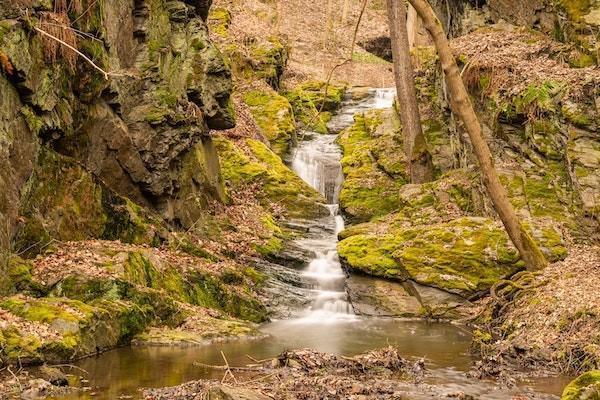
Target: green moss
[
  {"x": 464, "y": 256},
  {"x": 16, "y": 346},
  {"x": 275, "y": 117},
  {"x": 255, "y": 276},
  {"x": 368, "y": 58},
  {"x": 309, "y": 98},
  {"x": 219, "y": 20},
  {"x": 585, "y": 387},
  {"x": 19, "y": 273},
  {"x": 278, "y": 183},
  {"x": 373, "y": 166},
  {"x": 34, "y": 122},
  {"x": 209, "y": 291},
  {"x": 65, "y": 202}
]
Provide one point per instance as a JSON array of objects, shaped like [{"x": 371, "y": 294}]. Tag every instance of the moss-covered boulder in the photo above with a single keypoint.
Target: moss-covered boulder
[
  {"x": 251, "y": 162},
  {"x": 258, "y": 59},
  {"x": 313, "y": 105},
  {"x": 464, "y": 256},
  {"x": 374, "y": 166},
  {"x": 58, "y": 329},
  {"x": 65, "y": 202},
  {"x": 275, "y": 118},
  {"x": 585, "y": 387}
]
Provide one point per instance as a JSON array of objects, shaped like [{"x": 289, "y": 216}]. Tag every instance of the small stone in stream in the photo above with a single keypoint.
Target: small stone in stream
[
  {"x": 460, "y": 396},
  {"x": 54, "y": 376}
]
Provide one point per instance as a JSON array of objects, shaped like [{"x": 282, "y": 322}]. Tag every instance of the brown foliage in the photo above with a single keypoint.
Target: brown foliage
[
  {"x": 58, "y": 25},
  {"x": 5, "y": 64},
  {"x": 66, "y": 6}
]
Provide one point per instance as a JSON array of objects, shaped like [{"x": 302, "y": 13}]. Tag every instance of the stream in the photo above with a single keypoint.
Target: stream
[{"x": 315, "y": 312}]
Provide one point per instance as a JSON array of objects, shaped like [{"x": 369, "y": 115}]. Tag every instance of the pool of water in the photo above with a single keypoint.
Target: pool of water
[
  {"x": 123, "y": 371},
  {"x": 445, "y": 347}
]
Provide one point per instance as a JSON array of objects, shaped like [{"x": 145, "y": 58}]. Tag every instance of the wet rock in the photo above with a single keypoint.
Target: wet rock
[
  {"x": 377, "y": 297},
  {"x": 584, "y": 387},
  {"x": 54, "y": 375}
]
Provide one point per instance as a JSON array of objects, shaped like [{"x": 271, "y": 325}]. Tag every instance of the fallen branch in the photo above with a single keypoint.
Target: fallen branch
[
  {"x": 228, "y": 371},
  {"x": 16, "y": 378},
  {"x": 106, "y": 74}
]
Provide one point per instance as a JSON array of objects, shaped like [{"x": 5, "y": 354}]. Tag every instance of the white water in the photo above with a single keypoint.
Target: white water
[{"x": 317, "y": 161}]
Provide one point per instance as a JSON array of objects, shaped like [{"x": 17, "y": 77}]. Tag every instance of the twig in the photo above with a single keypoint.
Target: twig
[
  {"x": 70, "y": 366},
  {"x": 360, "y": 16},
  {"x": 85, "y": 12},
  {"x": 260, "y": 378},
  {"x": 18, "y": 381},
  {"x": 106, "y": 74},
  {"x": 228, "y": 369}
]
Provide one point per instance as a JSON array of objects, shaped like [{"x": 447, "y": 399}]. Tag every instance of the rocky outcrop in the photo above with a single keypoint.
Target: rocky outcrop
[{"x": 167, "y": 86}]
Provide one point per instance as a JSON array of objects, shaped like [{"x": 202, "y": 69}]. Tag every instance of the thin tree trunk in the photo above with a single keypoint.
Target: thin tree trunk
[
  {"x": 345, "y": 10},
  {"x": 462, "y": 106},
  {"x": 419, "y": 160},
  {"x": 412, "y": 26}
]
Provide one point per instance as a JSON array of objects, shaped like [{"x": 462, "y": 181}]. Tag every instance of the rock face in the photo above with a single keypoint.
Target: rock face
[{"x": 139, "y": 130}]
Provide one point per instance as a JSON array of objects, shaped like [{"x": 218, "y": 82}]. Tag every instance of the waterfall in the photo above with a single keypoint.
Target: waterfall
[{"x": 317, "y": 162}]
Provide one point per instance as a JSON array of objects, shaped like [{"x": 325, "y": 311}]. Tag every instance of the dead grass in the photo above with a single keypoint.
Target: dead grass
[{"x": 58, "y": 24}]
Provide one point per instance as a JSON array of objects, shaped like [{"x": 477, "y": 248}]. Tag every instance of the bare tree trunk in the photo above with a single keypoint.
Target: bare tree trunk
[
  {"x": 462, "y": 106},
  {"x": 345, "y": 10},
  {"x": 419, "y": 160},
  {"x": 329, "y": 24},
  {"x": 412, "y": 26}
]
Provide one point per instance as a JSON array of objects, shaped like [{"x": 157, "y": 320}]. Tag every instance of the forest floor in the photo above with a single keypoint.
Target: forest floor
[
  {"x": 319, "y": 38},
  {"x": 550, "y": 321}
]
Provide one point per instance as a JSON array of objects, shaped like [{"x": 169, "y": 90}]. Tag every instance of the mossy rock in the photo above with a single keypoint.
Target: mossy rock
[
  {"x": 65, "y": 202},
  {"x": 278, "y": 183},
  {"x": 312, "y": 105},
  {"x": 374, "y": 166},
  {"x": 463, "y": 256},
  {"x": 584, "y": 387},
  {"x": 83, "y": 329},
  {"x": 219, "y": 20},
  {"x": 275, "y": 118},
  {"x": 264, "y": 60}
]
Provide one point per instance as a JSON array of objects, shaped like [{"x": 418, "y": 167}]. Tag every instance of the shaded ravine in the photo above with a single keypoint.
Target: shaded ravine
[{"x": 309, "y": 302}]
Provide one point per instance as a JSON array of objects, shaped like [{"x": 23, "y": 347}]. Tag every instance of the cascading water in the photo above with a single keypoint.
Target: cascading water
[{"x": 317, "y": 161}]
